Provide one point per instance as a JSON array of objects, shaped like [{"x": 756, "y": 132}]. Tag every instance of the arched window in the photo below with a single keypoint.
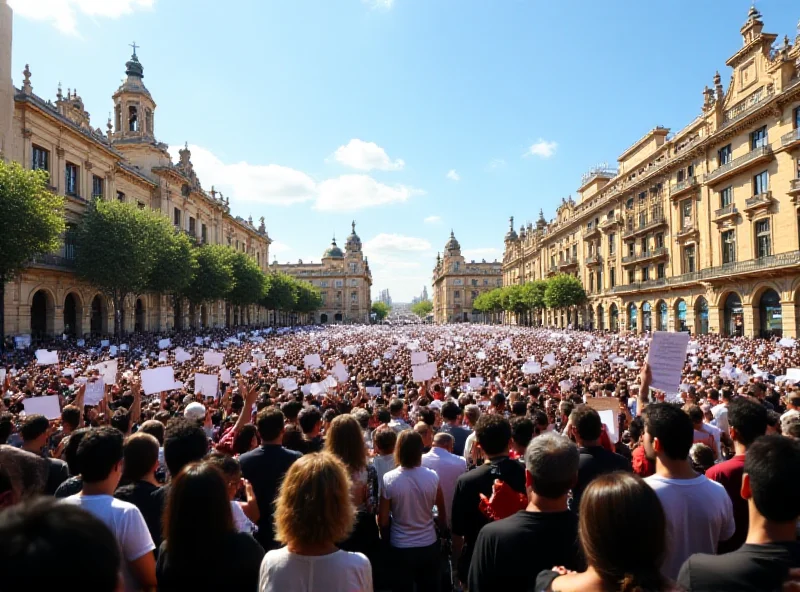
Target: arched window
[{"x": 133, "y": 118}]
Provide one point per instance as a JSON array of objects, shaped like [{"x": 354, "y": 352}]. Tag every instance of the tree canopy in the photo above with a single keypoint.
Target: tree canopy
[
  {"x": 249, "y": 283},
  {"x": 422, "y": 308},
  {"x": 564, "y": 290},
  {"x": 557, "y": 292},
  {"x": 380, "y": 310},
  {"x": 213, "y": 279}
]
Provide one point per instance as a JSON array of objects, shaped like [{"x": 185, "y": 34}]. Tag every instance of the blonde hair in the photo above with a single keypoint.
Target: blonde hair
[{"x": 313, "y": 504}]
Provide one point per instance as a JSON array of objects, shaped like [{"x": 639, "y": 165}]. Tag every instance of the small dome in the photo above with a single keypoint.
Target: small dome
[
  {"x": 333, "y": 252},
  {"x": 511, "y": 235},
  {"x": 452, "y": 244},
  {"x": 353, "y": 241}
]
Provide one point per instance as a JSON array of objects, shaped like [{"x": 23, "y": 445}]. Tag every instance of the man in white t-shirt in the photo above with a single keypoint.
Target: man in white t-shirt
[
  {"x": 447, "y": 465},
  {"x": 720, "y": 411},
  {"x": 699, "y": 512},
  {"x": 99, "y": 459}
]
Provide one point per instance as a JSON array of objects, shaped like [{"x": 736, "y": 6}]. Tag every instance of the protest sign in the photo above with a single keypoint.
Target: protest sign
[
  {"x": 212, "y": 358},
  {"x": 46, "y": 358},
  {"x": 206, "y": 384},
  {"x": 47, "y": 406},
  {"x": 156, "y": 380}
]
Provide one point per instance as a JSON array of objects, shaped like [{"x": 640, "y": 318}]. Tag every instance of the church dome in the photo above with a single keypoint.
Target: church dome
[
  {"x": 511, "y": 235},
  {"x": 353, "y": 241},
  {"x": 333, "y": 252},
  {"x": 452, "y": 244}
]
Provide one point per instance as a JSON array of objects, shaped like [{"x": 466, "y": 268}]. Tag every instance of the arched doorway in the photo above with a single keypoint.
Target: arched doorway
[
  {"x": 632, "y": 317},
  {"x": 733, "y": 314},
  {"x": 323, "y": 319},
  {"x": 139, "y": 317},
  {"x": 647, "y": 317},
  {"x": 72, "y": 315},
  {"x": 769, "y": 314},
  {"x": 701, "y": 316},
  {"x": 661, "y": 316},
  {"x": 680, "y": 316},
  {"x": 613, "y": 317},
  {"x": 98, "y": 323},
  {"x": 337, "y": 317},
  {"x": 600, "y": 317},
  {"x": 42, "y": 313}
]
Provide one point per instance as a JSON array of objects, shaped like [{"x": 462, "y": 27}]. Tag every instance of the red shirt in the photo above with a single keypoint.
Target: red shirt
[
  {"x": 729, "y": 475},
  {"x": 642, "y": 466}
]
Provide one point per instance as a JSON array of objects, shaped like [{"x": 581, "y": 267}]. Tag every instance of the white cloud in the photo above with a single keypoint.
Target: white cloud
[
  {"x": 269, "y": 184},
  {"x": 386, "y": 244},
  {"x": 354, "y": 192},
  {"x": 279, "y": 247},
  {"x": 63, "y": 14},
  {"x": 453, "y": 175},
  {"x": 488, "y": 253},
  {"x": 542, "y": 149},
  {"x": 376, "y": 4},
  {"x": 432, "y": 220},
  {"x": 495, "y": 164},
  {"x": 366, "y": 156}
]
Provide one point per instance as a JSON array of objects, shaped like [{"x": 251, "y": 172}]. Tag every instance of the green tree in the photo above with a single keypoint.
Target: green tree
[
  {"x": 31, "y": 223},
  {"x": 213, "y": 279},
  {"x": 422, "y": 308},
  {"x": 380, "y": 310},
  {"x": 115, "y": 250},
  {"x": 514, "y": 300},
  {"x": 249, "y": 283},
  {"x": 175, "y": 263},
  {"x": 280, "y": 294},
  {"x": 533, "y": 292},
  {"x": 563, "y": 291},
  {"x": 307, "y": 297}
]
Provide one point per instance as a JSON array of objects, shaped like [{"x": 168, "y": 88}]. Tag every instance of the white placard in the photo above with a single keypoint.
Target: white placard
[
  {"x": 206, "y": 384},
  {"x": 376, "y": 363},
  {"x": 666, "y": 358},
  {"x": 419, "y": 357},
  {"x": 181, "y": 355},
  {"x": 112, "y": 350},
  {"x": 164, "y": 343},
  {"x": 565, "y": 385},
  {"x": 340, "y": 372},
  {"x": 531, "y": 368},
  {"x": 47, "y": 406},
  {"x": 793, "y": 373},
  {"x": 550, "y": 359},
  {"x": 22, "y": 341},
  {"x": 46, "y": 358},
  {"x": 388, "y": 355},
  {"x": 108, "y": 371},
  {"x": 162, "y": 356},
  {"x": 475, "y": 382},
  {"x": 81, "y": 342},
  {"x": 787, "y": 342},
  {"x": 95, "y": 391},
  {"x": 288, "y": 384},
  {"x": 2, "y": 376},
  {"x": 104, "y": 342},
  {"x": 212, "y": 358},
  {"x": 198, "y": 341},
  {"x": 245, "y": 367},
  {"x": 329, "y": 383},
  {"x": 279, "y": 353},
  {"x": 305, "y": 389},
  {"x": 312, "y": 361},
  {"x": 373, "y": 391},
  {"x": 609, "y": 419},
  {"x": 316, "y": 388},
  {"x": 156, "y": 380},
  {"x": 424, "y": 372},
  {"x": 225, "y": 375}
]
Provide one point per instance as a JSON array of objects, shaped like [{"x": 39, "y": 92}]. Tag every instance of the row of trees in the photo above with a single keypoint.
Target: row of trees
[
  {"x": 126, "y": 251},
  {"x": 422, "y": 308},
  {"x": 524, "y": 301}
]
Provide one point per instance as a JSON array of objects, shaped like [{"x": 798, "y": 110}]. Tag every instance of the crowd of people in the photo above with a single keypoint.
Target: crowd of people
[{"x": 428, "y": 458}]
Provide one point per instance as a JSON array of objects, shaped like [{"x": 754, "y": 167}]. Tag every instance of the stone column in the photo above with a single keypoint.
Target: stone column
[
  {"x": 789, "y": 318},
  {"x": 751, "y": 320},
  {"x": 58, "y": 320}
]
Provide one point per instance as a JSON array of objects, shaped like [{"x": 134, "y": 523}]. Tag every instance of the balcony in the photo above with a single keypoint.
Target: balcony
[
  {"x": 725, "y": 213},
  {"x": 644, "y": 228},
  {"x": 567, "y": 263},
  {"x": 610, "y": 223},
  {"x": 645, "y": 256},
  {"x": 794, "y": 189},
  {"x": 553, "y": 270},
  {"x": 594, "y": 260},
  {"x": 790, "y": 140},
  {"x": 688, "y": 231},
  {"x": 655, "y": 283},
  {"x": 683, "y": 187},
  {"x": 53, "y": 262},
  {"x": 737, "y": 165},
  {"x": 590, "y": 233},
  {"x": 758, "y": 203},
  {"x": 790, "y": 259}
]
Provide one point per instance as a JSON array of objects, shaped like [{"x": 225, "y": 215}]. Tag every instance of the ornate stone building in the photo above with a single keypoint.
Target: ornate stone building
[
  {"x": 126, "y": 163},
  {"x": 343, "y": 279},
  {"x": 456, "y": 284},
  {"x": 696, "y": 230}
]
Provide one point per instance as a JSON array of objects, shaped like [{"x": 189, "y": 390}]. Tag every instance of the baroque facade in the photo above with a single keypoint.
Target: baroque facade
[
  {"x": 343, "y": 278},
  {"x": 127, "y": 163},
  {"x": 457, "y": 283},
  {"x": 697, "y": 230}
]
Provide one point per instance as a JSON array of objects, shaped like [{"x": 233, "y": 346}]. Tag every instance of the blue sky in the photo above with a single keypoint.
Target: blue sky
[{"x": 409, "y": 116}]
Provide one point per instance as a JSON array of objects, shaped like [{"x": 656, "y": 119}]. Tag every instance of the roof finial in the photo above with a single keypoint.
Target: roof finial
[
  {"x": 109, "y": 127},
  {"x": 353, "y": 225},
  {"x": 26, "y": 83},
  {"x": 134, "y": 46},
  {"x": 511, "y": 222},
  {"x": 59, "y": 96}
]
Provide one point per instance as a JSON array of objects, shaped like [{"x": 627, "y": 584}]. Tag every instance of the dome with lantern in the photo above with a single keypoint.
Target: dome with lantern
[
  {"x": 333, "y": 252},
  {"x": 452, "y": 244},
  {"x": 353, "y": 243}
]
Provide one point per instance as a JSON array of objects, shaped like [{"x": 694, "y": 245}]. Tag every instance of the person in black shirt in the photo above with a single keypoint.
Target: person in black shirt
[
  {"x": 35, "y": 432},
  {"x": 450, "y": 414},
  {"x": 585, "y": 428},
  {"x": 509, "y": 553},
  {"x": 771, "y": 486},
  {"x": 140, "y": 455},
  {"x": 265, "y": 468},
  {"x": 310, "y": 420},
  {"x": 493, "y": 436}
]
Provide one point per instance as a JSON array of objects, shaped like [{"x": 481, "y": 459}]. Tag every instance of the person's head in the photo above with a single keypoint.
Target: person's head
[
  {"x": 566, "y": 408},
  {"x": 6, "y": 426},
  {"x": 99, "y": 456},
  {"x": 34, "y": 431},
  {"x": 493, "y": 434},
  {"x": 70, "y": 417},
  {"x": 230, "y": 468},
  {"x": 310, "y": 420},
  {"x": 47, "y": 545},
  {"x": 444, "y": 440},
  {"x": 702, "y": 457},
  {"x": 793, "y": 401},
  {"x": 522, "y": 431},
  {"x": 141, "y": 456},
  {"x": 246, "y": 439},
  {"x": 270, "y": 424},
  {"x": 314, "y": 505},
  {"x": 636, "y": 429},
  {"x": 519, "y": 408},
  {"x": 773, "y": 422},
  {"x": 551, "y": 466},
  {"x": 409, "y": 449},
  {"x": 471, "y": 414},
  {"x": 668, "y": 432},
  {"x": 450, "y": 411},
  {"x": 747, "y": 420},
  {"x": 771, "y": 481},
  {"x": 383, "y": 415},
  {"x": 198, "y": 512},
  {"x": 396, "y": 407},
  {"x": 155, "y": 428},
  {"x": 184, "y": 442},
  {"x": 291, "y": 410},
  {"x": 384, "y": 440},
  {"x": 586, "y": 424},
  {"x": 70, "y": 453},
  {"x": 613, "y": 506},
  {"x": 695, "y": 414},
  {"x": 426, "y": 432},
  {"x": 362, "y": 417},
  {"x": 427, "y": 415},
  {"x": 121, "y": 420},
  {"x": 790, "y": 426},
  {"x": 345, "y": 440}
]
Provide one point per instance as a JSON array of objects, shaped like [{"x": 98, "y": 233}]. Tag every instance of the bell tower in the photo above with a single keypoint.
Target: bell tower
[{"x": 134, "y": 108}]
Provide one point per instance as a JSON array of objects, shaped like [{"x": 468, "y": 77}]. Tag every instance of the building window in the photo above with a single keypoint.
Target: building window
[
  {"x": 612, "y": 243},
  {"x": 688, "y": 259},
  {"x": 71, "y": 179},
  {"x": 612, "y": 276},
  {"x": 642, "y": 219},
  {"x": 457, "y": 294},
  {"x": 474, "y": 294},
  {"x": 237, "y": 245},
  {"x": 660, "y": 271},
  {"x": 761, "y": 183},
  {"x": 629, "y": 204},
  {"x": 203, "y": 233},
  {"x": 660, "y": 240},
  {"x": 485, "y": 282},
  {"x": 690, "y": 171},
  {"x": 192, "y": 228},
  {"x": 599, "y": 280},
  {"x": 140, "y": 204},
  {"x": 120, "y": 196},
  {"x": 645, "y": 273},
  {"x": 323, "y": 284},
  {"x": 353, "y": 267},
  {"x": 591, "y": 281},
  {"x": 324, "y": 296},
  {"x": 686, "y": 213},
  {"x": 97, "y": 186},
  {"x": 574, "y": 251},
  {"x": 797, "y": 118},
  {"x": 724, "y": 155},
  {"x": 726, "y": 197},
  {"x": 643, "y": 245},
  {"x": 758, "y": 138},
  {"x": 763, "y": 246},
  {"x": 69, "y": 242},
  {"x": 176, "y": 217},
  {"x": 679, "y": 177},
  {"x": 631, "y": 276},
  {"x": 631, "y": 249},
  {"x": 474, "y": 282},
  {"x": 354, "y": 297},
  {"x": 729, "y": 246},
  {"x": 41, "y": 159}
]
